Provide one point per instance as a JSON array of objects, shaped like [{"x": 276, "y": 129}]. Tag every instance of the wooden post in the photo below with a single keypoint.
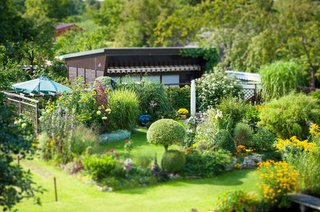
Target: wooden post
[
  {"x": 193, "y": 98},
  {"x": 55, "y": 189}
]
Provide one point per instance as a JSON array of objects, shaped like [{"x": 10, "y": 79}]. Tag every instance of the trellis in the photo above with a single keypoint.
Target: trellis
[{"x": 24, "y": 105}]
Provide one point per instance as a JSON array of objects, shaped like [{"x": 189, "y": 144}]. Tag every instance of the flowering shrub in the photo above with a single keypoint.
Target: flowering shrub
[
  {"x": 294, "y": 144},
  {"x": 213, "y": 87},
  {"x": 237, "y": 201},
  {"x": 183, "y": 111},
  {"x": 278, "y": 179}
]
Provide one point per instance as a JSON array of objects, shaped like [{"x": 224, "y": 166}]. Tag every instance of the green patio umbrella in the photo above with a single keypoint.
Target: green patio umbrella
[{"x": 42, "y": 85}]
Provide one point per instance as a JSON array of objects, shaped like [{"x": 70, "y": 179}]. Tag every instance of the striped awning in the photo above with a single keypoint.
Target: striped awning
[{"x": 150, "y": 69}]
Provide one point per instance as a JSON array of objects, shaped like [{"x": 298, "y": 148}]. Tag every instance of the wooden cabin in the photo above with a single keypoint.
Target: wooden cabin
[{"x": 165, "y": 65}]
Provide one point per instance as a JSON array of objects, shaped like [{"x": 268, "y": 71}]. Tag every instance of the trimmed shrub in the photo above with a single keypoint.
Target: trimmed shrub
[
  {"x": 213, "y": 87},
  {"x": 99, "y": 167},
  {"x": 81, "y": 139},
  {"x": 124, "y": 105},
  {"x": 280, "y": 78},
  {"x": 173, "y": 161},
  {"x": 263, "y": 140},
  {"x": 153, "y": 99},
  {"x": 179, "y": 97},
  {"x": 290, "y": 115},
  {"x": 243, "y": 134},
  {"x": 166, "y": 132}
]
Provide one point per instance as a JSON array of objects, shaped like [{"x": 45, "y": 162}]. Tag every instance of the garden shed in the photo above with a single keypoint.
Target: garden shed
[{"x": 159, "y": 64}]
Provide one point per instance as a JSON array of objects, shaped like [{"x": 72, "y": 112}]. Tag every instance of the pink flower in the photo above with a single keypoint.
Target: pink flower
[
  {"x": 126, "y": 141},
  {"x": 116, "y": 155}
]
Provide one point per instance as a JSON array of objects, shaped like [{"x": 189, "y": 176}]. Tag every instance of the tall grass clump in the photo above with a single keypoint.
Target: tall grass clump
[
  {"x": 280, "y": 78},
  {"x": 82, "y": 138},
  {"x": 124, "y": 105},
  {"x": 152, "y": 97}
]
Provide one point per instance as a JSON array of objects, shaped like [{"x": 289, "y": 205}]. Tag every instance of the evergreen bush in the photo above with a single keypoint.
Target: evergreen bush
[{"x": 173, "y": 161}]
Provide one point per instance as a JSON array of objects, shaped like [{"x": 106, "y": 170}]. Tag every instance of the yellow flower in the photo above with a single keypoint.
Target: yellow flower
[
  {"x": 98, "y": 112},
  {"x": 94, "y": 93}
]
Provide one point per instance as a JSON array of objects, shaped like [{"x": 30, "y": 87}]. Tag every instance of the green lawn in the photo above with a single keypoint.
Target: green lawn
[{"x": 78, "y": 193}]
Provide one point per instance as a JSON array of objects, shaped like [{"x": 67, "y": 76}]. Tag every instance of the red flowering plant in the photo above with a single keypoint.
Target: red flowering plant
[
  {"x": 128, "y": 146},
  {"x": 112, "y": 152},
  {"x": 102, "y": 101}
]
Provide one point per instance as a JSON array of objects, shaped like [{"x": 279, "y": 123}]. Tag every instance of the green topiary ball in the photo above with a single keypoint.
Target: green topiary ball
[
  {"x": 173, "y": 161},
  {"x": 166, "y": 132}
]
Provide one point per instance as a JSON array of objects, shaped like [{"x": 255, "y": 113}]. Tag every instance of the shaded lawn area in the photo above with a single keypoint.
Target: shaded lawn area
[{"x": 78, "y": 194}]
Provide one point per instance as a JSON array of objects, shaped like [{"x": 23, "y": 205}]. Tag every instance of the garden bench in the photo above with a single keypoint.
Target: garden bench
[{"x": 306, "y": 201}]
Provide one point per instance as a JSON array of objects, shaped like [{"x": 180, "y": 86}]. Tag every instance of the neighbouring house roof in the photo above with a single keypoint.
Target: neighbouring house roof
[
  {"x": 64, "y": 26},
  {"x": 245, "y": 76}
]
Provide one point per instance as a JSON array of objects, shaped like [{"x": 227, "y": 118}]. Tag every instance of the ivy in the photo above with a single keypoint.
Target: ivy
[{"x": 209, "y": 54}]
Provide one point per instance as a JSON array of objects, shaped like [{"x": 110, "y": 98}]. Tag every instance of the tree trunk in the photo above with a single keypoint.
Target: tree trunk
[
  {"x": 313, "y": 78},
  {"x": 166, "y": 148}
]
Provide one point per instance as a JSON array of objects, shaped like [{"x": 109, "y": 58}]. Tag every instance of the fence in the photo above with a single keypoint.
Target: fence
[
  {"x": 252, "y": 92},
  {"x": 26, "y": 106}
]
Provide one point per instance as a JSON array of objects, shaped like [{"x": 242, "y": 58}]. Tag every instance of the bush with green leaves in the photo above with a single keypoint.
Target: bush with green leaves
[
  {"x": 223, "y": 140},
  {"x": 213, "y": 87},
  {"x": 252, "y": 115},
  {"x": 280, "y": 78},
  {"x": 99, "y": 166},
  {"x": 263, "y": 140},
  {"x": 233, "y": 111},
  {"x": 179, "y": 97},
  {"x": 207, "y": 129},
  {"x": 82, "y": 137},
  {"x": 152, "y": 97},
  {"x": 207, "y": 163},
  {"x": 173, "y": 161},
  {"x": 166, "y": 132},
  {"x": 289, "y": 116},
  {"x": 15, "y": 182},
  {"x": 243, "y": 134},
  {"x": 124, "y": 105},
  {"x": 209, "y": 135}
]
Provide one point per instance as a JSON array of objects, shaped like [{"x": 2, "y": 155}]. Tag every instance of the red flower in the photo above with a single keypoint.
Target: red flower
[
  {"x": 111, "y": 150},
  {"x": 126, "y": 141},
  {"x": 116, "y": 155},
  {"x": 251, "y": 208}
]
